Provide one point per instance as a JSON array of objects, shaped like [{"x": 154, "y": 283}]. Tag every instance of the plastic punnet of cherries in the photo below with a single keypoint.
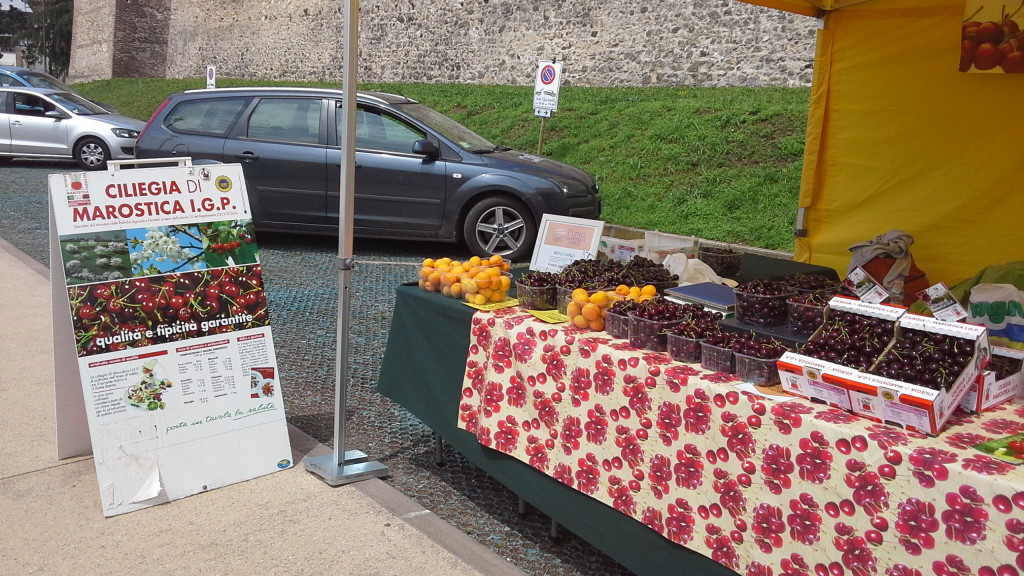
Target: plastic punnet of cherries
[
  {"x": 807, "y": 310},
  {"x": 699, "y": 323},
  {"x": 763, "y": 302},
  {"x": 660, "y": 315}
]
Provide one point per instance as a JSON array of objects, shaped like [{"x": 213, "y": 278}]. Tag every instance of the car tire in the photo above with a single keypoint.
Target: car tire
[
  {"x": 500, "y": 225},
  {"x": 91, "y": 154}
]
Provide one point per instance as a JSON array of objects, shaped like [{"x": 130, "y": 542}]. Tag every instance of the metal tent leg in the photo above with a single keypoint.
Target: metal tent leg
[{"x": 438, "y": 450}]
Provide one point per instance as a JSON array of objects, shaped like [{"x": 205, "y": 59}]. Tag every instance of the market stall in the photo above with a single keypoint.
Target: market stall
[{"x": 668, "y": 467}]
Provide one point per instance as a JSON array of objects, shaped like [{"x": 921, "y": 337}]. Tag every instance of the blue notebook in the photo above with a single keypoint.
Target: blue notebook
[{"x": 706, "y": 294}]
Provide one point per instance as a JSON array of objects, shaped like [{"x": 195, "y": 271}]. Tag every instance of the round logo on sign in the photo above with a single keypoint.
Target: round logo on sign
[
  {"x": 223, "y": 183},
  {"x": 547, "y": 74}
]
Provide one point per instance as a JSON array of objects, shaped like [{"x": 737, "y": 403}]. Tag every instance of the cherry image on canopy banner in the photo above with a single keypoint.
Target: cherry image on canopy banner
[{"x": 994, "y": 44}]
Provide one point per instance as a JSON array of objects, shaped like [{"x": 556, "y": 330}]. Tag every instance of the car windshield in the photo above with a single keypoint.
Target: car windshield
[
  {"x": 40, "y": 80},
  {"x": 77, "y": 104},
  {"x": 450, "y": 129}
]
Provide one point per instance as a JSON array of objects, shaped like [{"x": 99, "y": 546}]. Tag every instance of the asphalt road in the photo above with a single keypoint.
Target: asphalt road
[{"x": 302, "y": 289}]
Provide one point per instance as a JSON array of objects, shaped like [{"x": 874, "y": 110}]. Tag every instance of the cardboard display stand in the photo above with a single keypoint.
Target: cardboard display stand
[{"x": 163, "y": 351}]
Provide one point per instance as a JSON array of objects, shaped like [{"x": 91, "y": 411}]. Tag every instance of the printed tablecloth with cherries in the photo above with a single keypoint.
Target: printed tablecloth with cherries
[{"x": 763, "y": 485}]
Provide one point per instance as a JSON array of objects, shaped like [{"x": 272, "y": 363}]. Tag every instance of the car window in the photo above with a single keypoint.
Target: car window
[
  {"x": 450, "y": 129},
  {"x": 213, "y": 116},
  {"x": 6, "y": 80},
  {"x": 77, "y": 104},
  {"x": 286, "y": 119},
  {"x": 40, "y": 80},
  {"x": 31, "y": 105},
  {"x": 377, "y": 130}
]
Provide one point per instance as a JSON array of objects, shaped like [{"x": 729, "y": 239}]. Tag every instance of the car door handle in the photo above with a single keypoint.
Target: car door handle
[
  {"x": 16, "y": 122},
  {"x": 247, "y": 156}
]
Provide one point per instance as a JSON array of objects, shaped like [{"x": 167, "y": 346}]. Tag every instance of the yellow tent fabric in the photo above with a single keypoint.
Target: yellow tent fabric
[{"x": 898, "y": 138}]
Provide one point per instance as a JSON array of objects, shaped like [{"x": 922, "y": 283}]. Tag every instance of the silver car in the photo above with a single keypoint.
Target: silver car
[{"x": 46, "y": 123}]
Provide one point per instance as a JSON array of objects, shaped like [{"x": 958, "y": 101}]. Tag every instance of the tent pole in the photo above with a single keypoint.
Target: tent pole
[{"x": 345, "y": 467}]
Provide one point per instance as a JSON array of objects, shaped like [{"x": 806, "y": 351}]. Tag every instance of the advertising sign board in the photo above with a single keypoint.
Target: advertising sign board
[{"x": 161, "y": 287}]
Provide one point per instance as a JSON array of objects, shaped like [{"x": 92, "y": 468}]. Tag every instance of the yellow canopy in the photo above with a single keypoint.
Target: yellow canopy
[{"x": 898, "y": 138}]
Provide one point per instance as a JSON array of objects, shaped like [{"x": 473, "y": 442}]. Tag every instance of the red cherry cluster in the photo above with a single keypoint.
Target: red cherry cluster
[
  {"x": 1005, "y": 366},
  {"x": 850, "y": 339},
  {"x": 659, "y": 309},
  {"x": 724, "y": 261},
  {"x": 966, "y": 516},
  {"x": 761, "y": 347},
  {"x": 651, "y": 320},
  {"x": 986, "y": 45},
  {"x": 684, "y": 338},
  {"x": 699, "y": 323},
  {"x": 123, "y": 314},
  {"x": 807, "y": 310},
  {"x": 600, "y": 274},
  {"x": 915, "y": 525},
  {"x": 226, "y": 237},
  {"x": 926, "y": 359},
  {"x": 806, "y": 282},
  {"x": 538, "y": 279},
  {"x": 228, "y": 246},
  {"x": 856, "y": 556}
]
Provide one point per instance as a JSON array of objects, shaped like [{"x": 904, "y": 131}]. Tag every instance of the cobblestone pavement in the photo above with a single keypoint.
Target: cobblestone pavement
[{"x": 302, "y": 288}]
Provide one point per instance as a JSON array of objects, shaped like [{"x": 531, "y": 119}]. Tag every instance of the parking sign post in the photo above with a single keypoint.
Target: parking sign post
[{"x": 545, "y": 94}]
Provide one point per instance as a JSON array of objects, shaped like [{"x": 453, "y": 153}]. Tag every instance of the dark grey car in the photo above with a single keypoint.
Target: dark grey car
[{"x": 420, "y": 175}]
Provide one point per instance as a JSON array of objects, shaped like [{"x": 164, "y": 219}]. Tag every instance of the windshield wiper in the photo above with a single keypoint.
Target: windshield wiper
[{"x": 490, "y": 150}]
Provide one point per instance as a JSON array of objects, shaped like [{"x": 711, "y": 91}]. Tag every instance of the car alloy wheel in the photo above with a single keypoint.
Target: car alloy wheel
[
  {"x": 91, "y": 154},
  {"x": 500, "y": 226}
]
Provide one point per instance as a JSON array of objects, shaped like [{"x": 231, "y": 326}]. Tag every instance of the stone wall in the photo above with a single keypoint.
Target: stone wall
[{"x": 601, "y": 42}]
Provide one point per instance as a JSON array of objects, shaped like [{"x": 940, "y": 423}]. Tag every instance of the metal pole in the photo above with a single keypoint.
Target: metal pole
[
  {"x": 540, "y": 137},
  {"x": 343, "y": 467}
]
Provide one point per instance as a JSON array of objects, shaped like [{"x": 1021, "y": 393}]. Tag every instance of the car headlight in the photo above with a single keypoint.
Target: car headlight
[{"x": 125, "y": 132}]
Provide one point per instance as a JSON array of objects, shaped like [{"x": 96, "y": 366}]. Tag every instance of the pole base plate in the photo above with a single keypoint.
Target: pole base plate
[{"x": 355, "y": 467}]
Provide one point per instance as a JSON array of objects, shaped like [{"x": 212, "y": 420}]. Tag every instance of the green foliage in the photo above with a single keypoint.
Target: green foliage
[
  {"x": 46, "y": 35},
  {"x": 12, "y": 22},
  {"x": 717, "y": 163}
]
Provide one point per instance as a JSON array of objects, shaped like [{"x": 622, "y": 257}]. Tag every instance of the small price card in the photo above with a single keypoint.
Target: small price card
[
  {"x": 549, "y": 316},
  {"x": 942, "y": 304},
  {"x": 865, "y": 287},
  {"x": 494, "y": 305}
]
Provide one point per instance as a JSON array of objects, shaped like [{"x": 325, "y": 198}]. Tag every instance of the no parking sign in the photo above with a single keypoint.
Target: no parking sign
[{"x": 545, "y": 91}]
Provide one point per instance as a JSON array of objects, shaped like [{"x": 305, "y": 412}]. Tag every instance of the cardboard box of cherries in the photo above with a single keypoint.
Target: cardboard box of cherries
[{"x": 883, "y": 364}]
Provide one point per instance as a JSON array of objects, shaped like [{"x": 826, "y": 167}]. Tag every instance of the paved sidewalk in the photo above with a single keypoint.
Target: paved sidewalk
[{"x": 288, "y": 522}]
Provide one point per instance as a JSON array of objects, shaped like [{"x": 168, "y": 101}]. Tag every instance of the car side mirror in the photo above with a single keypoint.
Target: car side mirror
[
  {"x": 426, "y": 148},
  {"x": 54, "y": 114}
]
